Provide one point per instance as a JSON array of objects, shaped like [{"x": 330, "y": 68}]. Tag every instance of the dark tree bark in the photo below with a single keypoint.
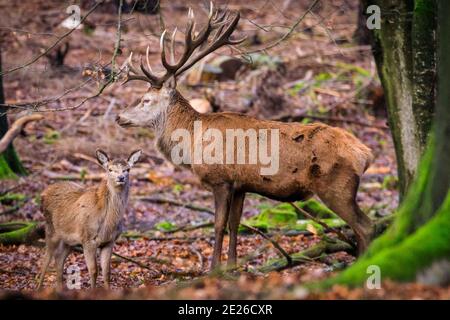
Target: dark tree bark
[
  {"x": 362, "y": 34},
  {"x": 420, "y": 234},
  {"x": 404, "y": 50},
  {"x": 10, "y": 164}
]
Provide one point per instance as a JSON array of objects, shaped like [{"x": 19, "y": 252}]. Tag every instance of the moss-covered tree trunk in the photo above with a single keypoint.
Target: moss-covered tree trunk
[
  {"x": 405, "y": 55},
  {"x": 10, "y": 164},
  {"x": 420, "y": 233}
]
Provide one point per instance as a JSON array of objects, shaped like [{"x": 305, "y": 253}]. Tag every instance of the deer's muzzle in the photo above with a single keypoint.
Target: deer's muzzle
[{"x": 123, "y": 122}]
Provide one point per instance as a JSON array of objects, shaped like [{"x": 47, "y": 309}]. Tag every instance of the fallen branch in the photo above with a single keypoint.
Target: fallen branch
[
  {"x": 207, "y": 210},
  {"x": 79, "y": 249},
  {"x": 175, "y": 203},
  {"x": 15, "y": 129},
  {"x": 273, "y": 242},
  {"x": 20, "y": 232},
  {"x": 325, "y": 246},
  {"x": 132, "y": 261},
  {"x": 190, "y": 227},
  {"x": 146, "y": 236},
  {"x": 72, "y": 177},
  {"x": 340, "y": 234}
]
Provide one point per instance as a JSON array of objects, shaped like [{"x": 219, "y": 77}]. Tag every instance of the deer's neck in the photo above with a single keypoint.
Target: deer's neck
[
  {"x": 177, "y": 112},
  {"x": 115, "y": 203},
  {"x": 179, "y": 115}
]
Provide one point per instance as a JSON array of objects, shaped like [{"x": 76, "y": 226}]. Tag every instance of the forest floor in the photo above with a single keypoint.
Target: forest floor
[{"x": 319, "y": 73}]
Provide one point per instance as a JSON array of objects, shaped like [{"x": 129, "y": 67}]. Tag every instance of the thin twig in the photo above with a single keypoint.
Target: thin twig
[
  {"x": 46, "y": 51},
  {"x": 79, "y": 249},
  {"x": 288, "y": 33},
  {"x": 118, "y": 39},
  {"x": 273, "y": 242},
  {"x": 133, "y": 261}
]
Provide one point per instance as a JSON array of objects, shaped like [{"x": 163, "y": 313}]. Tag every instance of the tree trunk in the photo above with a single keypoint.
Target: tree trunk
[
  {"x": 420, "y": 234},
  {"x": 405, "y": 56},
  {"x": 10, "y": 164},
  {"x": 362, "y": 34}
]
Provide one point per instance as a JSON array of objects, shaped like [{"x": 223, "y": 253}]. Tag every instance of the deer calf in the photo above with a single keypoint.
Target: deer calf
[{"x": 89, "y": 217}]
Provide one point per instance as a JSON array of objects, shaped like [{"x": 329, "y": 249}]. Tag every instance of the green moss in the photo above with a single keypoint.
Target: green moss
[
  {"x": 17, "y": 232},
  {"x": 402, "y": 262},
  {"x": 10, "y": 165},
  {"x": 9, "y": 197},
  {"x": 284, "y": 216},
  {"x": 405, "y": 222},
  {"x": 5, "y": 170}
]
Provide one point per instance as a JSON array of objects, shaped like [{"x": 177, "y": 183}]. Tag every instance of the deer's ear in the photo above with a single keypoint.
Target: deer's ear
[
  {"x": 102, "y": 157},
  {"x": 134, "y": 157}
]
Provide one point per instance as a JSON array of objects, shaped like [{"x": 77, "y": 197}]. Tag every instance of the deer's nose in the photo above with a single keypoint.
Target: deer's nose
[
  {"x": 117, "y": 118},
  {"x": 121, "y": 178}
]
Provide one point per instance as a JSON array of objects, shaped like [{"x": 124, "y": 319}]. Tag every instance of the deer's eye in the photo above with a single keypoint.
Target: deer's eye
[
  {"x": 110, "y": 170},
  {"x": 146, "y": 101}
]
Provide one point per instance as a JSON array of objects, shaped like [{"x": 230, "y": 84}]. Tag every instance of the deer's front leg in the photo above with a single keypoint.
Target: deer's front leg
[
  {"x": 90, "y": 251},
  {"x": 105, "y": 262},
  {"x": 222, "y": 195}
]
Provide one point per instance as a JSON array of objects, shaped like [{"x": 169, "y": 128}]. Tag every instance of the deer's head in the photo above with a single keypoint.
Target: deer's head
[
  {"x": 117, "y": 170},
  {"x": 162, "y": 91}
]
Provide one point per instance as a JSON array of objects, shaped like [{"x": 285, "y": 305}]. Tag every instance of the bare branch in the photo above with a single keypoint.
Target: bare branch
[
  {"x": 15, "y": 129},
  {"x": 287, "y": 34},
  {"x": 46, "y": 51}
]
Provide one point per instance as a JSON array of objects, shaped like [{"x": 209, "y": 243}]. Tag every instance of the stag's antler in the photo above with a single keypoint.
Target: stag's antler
[{"x": 223, "y": 24}]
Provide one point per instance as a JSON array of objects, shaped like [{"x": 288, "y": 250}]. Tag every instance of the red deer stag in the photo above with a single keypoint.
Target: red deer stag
[{"x": 312, "y": 159}]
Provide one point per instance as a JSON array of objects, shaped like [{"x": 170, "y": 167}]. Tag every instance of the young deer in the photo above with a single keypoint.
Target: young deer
[
  {"x": 313, "y": 159},
  {"x": 89, "y": 217}
]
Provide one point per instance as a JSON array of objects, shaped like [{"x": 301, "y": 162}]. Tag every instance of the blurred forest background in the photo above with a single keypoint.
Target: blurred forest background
[{"x": 303, "y": 61}]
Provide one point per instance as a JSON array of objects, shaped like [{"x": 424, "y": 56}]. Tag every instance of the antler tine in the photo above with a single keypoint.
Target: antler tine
[
  {"x": 191, "y": 18},
  {"x": 130, "y": 64},
  {"x": 147, "y": 52},
  {"x": 131, "y": 68},
  {"x": 223, "y": 22},
  {"x": 229, "y": 30},
  {"x": 168, "y": 66},
  {"x": 192, "y": 42},
  {"x": 172, "y": 46},
  {"x": 221, "y": 38},
  {"x": 151, "y": 77},
  {"x": 211, "y": 9},
  {"x": 219, "y": 17}
]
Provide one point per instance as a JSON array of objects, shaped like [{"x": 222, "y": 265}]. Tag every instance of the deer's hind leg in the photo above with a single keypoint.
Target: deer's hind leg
[
  {"x": 222, "y": 198},
  {"x": 340, "y": 196},
  {"x": 234, "y": 219},
  {"x": 51, "y": 246},
  {"x": 60, "y": 257}
]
